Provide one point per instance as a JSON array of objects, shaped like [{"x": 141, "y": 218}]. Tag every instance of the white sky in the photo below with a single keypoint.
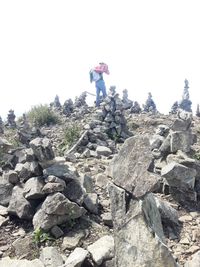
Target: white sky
[{"x": 48, "y": 47}]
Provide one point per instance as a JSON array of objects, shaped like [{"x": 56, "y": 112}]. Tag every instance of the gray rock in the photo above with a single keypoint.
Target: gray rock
[
  {"x": 75, "y": 192},
  {"x": 76, "y": 258},
  {"x": 19, "y": 206},
  {"x": 168, "y": 214},
  {"x": 73, "y": 239},
  {"x": 61, "y": 170},
  {"x": 27, "y": 170},
  {"x": 5, "y": 194},
  {"x": 33, "y": 188},
  {"x": 195, "y": 261},
  {"x": 103, "y": 151},
  {"x": 56, "y": 231},
  {"x": 7, "y": 262},
  {"x": 55, "y": 210},
  {"x": 91, "y": 202},
  {"x": 181, "y": 141},
  {"x": 3, "y": 220},
  {"x": 23, "y": 246},
  {"x": 102, "y": 249},
  {"x": 130, "y": 168},
  {"x": 11, "y": 177},
  {"x": 42, "y": 148},
  {"x": 136, "y": 225},
  {"x": 179, "y": 175},
  {"x": 51, "y": 257}
]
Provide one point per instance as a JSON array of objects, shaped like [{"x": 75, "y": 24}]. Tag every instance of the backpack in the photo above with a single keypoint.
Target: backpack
[
  {"x": 91, "y": 75},
  {"x": 95, "y": 76}
]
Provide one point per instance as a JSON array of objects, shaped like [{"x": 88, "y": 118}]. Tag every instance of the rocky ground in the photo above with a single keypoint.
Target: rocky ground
[{"x": 17, "y": 238}]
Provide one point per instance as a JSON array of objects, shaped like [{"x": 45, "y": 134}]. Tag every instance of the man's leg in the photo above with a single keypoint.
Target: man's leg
[
  {"x": 103, "y": 88},
  {"x": 97, "y": 94}
]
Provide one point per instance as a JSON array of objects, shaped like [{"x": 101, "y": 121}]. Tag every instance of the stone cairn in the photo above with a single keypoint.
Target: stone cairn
[
  {"x": 136, "y": 108},
  {"x": 1, "y": 126},
  {"x": 112, "y": 115},
  {"x": 171, "y": 148},
  {"x": 11, "y": 119},
  {"x": 81, "y": 100},
  {"x": 56, "y": 103},
  {"x": 174, "y": 108},
  {"x": 127, "y": 103},
  {"x": 197, "y": 111},
  {"x": 150, "y": 106},
  {"x": 185, "y": 103},
  {"x": 68, "y": 107}
]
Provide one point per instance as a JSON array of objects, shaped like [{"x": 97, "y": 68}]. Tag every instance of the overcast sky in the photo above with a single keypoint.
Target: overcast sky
[{"x": 48, "y": 47}]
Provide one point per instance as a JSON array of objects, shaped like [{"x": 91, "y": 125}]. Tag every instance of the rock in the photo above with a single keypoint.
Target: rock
[
  {"x": 61, "y": 170},
  {"x": 185, "y": 218},
  {"x": 130, "y": 168},
  {"x": 137, "y": 223},
  {"x": 75, "y": 191},
  {"x": 91, "y": 202},
  {"x": 103, "y": 151},
  {"x": 72, "y": 240},
  {"x": 27, "y": 170},
  {"x": 102, "y": 249},
  {"x": 7, "y": 262},
  {"x": 3, "y": 220},
  {"x": 33, "y": 188},
  {"x": 56, "y": 231},
  {"x": 3, "y": 211},
  {"x": 181, "y": 141},
  {"x": 50, "y": 257},
  {"x": 76, "y": 258},
  {"x": 11, "y": 177},
  {"x": 194, "y": 262},
  {"x": 42, "y": 148},
  {"x": 5, "y": 194},
  {"x": 23, "y": 247},
  {"x": 179, "y": 175},
  {"x": 167, "y": 213},
  {"x": 55, "y": 210},
  {"x": 19, "y": 206},
  {"x": 107, "y": 219}
]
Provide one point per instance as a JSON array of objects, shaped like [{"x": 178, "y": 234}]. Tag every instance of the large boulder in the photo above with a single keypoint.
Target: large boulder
[
  {"x": 42, "y": 148},
  {"x": 131, "y": 168},
  {"x": 55, "y": 210},
  {"x": 139, "y": 238}
]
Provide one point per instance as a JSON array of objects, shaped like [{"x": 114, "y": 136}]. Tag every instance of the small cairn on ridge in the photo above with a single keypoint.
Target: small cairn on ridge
[
  {"x": 11, "y": 119},
  {"x": 126, "y": 102},
  {"x": 185, "y": 103},
  {"x": 1, "y": 126},
  {"x": 174, "y": 108},
  {"x": 150, "y": 106},
  {"x": 112, "y": 115},
  {"x": 68, "y": 107},
  {"x": 81, "y": 100},
  {"x": 198, "y": 111},
  {"x": 56, "y": 103},
  {"x": 136, "y": 109}
]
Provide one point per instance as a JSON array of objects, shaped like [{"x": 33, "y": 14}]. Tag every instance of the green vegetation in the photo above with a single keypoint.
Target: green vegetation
[
  {"x": 42, "y": 115},
  {"x": 39, "y": 236},
  {"x": 71, "y": 134}
]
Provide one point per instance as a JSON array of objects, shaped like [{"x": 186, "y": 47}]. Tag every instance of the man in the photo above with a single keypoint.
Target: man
[{"x": 97, "y": 74}]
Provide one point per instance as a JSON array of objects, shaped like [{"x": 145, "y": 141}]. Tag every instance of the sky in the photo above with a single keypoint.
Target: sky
[{"x": 48, "y": 47}]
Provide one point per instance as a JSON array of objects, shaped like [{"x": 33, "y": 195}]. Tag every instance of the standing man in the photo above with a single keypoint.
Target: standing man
[{"x": 97, "y": 77}]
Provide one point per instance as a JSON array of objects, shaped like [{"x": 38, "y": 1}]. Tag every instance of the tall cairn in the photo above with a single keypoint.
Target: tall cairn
[
  {"x": 112, "y": 114},
  {"x": 150, "y": 106},
  {"x": 126, "y": 102},
  {"x": 11, "y": 119},
  {"x": 68, "y": 107},
  {"x": 185, "y": 103}
]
